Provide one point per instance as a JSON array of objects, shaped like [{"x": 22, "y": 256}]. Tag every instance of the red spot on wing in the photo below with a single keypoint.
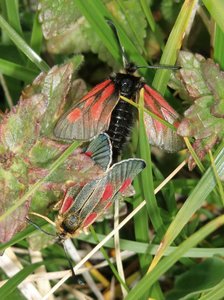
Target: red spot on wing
[
  {"x": 89, "y": 153},
  {"x": 74, "y": 115},
  {"x": 89, "y": 219},
  {"x": 96, "y": 89},
  {"x": 97, "y": 108},
  {"x": 108, "y": 192},
  {"x": 125, "y": 185},
  {"x": 66, "y": 204},
  {"x": 89, "y": 102}
]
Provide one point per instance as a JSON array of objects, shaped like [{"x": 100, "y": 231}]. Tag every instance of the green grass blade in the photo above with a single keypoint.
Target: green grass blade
[
  {"x": 13, "y": 15},
  {"x": 140, "y": 247},
  {"x": 13, "y": 282},
  {"x": 191, "y": 205},
  {"x": 167, "y": 262},
  {"x": 173, "y": 45},
  {"x": 146, "y": 175},
  {"x": 148, "y": 14},
  {"x": 36, "y": 36},
  {"x": 17, "y": 71},
  {"x": 216, "y": 10},
  {"x": 141, "y": 226},
  {"x": 219, "y": 46},
  {"x": 23, "y": 46}
]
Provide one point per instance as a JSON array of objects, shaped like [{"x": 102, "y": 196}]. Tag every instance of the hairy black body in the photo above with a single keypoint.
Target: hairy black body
[{"x": 124, "y": 114}]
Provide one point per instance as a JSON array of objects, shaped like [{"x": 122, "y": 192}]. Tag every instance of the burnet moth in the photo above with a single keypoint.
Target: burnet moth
[
  {"x": 79, "y": 211},
  {"x": 81, "y": 207},
  {"x": 102, "y": 110}
]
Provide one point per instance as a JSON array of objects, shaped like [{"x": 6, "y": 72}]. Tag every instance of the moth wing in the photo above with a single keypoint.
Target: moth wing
[
  {"x": 100, "y": 150},
  {"x": 117, "y": 180},
  {"x": 76, "y": 197},
  {"x": 159, "y": 134},
  {"x": 91, "y": 115}
]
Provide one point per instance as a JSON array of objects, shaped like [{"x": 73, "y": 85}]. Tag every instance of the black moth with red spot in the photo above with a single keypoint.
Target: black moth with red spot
[{"x": 102, "y": 110}]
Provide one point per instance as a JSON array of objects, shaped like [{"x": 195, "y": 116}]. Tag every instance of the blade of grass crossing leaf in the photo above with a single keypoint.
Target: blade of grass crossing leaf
[
  {"x": 13, "y": 282},
  {"x": 148, "y": 14},
  {"x": 219, "y": 46},
  {"x": 13, "y": 15},
  {"x": 17, "y": 71},
  {"x": 23, "y": 46},
  {"x": 196, "y": 199},
  {"x": 36, "y": 186},
  {"x": 216, "y": 11},
  {"x": 173, "y": 45},
  {"x": 146, "y": 175},
  {"x": 149, "y": 279}
]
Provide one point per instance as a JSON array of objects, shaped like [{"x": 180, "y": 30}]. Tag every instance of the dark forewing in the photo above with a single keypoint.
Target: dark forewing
[
  {"x": 159, "y": 134},
  {"x": 91, "y": 115}
]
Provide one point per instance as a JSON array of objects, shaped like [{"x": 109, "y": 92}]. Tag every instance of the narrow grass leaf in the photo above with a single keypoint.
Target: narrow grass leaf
[
  {"x": 191, "y": 205},
  {"x": 13, "y": 282},
  {"x": 173, "y": 45},
  {"x": 146, "y": 175},
  {"x": 149, "y": 279},
  {"x": 23, "y": 46},
  {"x": 216, "y": 11},
  {"x": 148, "y": 14},
  {"x": 13, "y": 15},
  {"x": 17, "y": 71},
  {"x": 219, "y": 46},
  {"x": 140, "y": 247}
]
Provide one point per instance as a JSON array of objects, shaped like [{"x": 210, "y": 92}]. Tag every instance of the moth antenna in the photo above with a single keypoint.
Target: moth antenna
[
  {"x": 168, "y": 67},
  {"x": 69, "y": 260},
  {"x": 124, "y": 56},
  {"x": 43, "y": 217},
  {"x": 39, "y": 228}
]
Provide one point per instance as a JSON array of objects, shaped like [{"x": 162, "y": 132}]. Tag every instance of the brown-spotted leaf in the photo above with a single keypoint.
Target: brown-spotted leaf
[
  {"x": 57, "y": 16},
  {"x": 13, "y": 185},
  {"x": 27, "y": 151},
  {"x": 201, "y": 81},
  {"x": 67, "y": 31}
]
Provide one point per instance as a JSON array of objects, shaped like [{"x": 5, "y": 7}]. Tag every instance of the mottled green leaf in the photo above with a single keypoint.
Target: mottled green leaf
[
  {"x": 29, "y": 149},
  {"x": 201, "y": 81}
]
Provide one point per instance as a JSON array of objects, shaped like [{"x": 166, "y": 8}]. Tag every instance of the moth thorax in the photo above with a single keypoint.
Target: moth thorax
[
  {"x": 128, "y": 84},
  {"x": 71, "y": 222}
]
